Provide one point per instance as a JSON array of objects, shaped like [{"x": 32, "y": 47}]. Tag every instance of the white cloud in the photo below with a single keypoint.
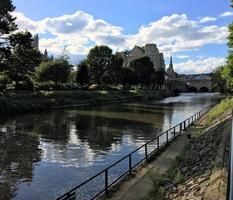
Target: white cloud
[
  {"x": 80, "y": 31},
  {"x": 226, "y": 14},
  {"x": 181, "y": 56},
  {"x": 207, "y": 19},
  {"x": 204, "y": 65}
]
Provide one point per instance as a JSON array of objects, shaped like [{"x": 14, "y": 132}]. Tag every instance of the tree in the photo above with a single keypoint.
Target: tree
[
  {"x": 226, "y": 72},
  {"x": 82, "y": 73},
  {"x": 7, "y": 25},
  {"x": 128, "y": 77},
  {"x": 218, "y": 81},
  {"x": 7, "y": 22},
  {"x": 24, "y": 59},
  {"x": 57, "y": 70},
  {"x": 99, "y": 61},
  {"x": 144, "y": 70},
  {"x": 160, "y": 77}
]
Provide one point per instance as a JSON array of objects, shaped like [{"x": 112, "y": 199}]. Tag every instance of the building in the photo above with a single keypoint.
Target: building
[
  {"x": 35, "y": 41},
  {"x": 149, "y": 50}
]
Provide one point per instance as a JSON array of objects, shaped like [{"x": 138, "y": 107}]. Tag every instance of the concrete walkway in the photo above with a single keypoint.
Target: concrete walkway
[{"x": 141, "y": 185}]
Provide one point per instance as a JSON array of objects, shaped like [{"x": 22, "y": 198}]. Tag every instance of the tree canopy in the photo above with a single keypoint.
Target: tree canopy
[
  {"x": 57, "y": 71},
  {"x": 82, "y": 76},
  {"x": 144, "y": 70}
]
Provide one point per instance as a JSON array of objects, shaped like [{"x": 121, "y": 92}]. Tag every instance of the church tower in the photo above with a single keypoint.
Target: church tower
[{"x": 170, "y": 69}]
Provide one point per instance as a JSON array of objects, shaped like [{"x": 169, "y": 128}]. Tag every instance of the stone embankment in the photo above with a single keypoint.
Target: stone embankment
[{"x": 203, "y": 168}]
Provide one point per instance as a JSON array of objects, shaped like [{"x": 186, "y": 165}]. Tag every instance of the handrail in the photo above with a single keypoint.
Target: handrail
[
  {"x": 173, "y": 134},
  {"x": 229, "y": 195}
]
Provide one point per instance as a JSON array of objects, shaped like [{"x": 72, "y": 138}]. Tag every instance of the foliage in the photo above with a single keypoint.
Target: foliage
[
  {"x": 7, "y": 22},
  {"x": 218, "y": 81},
  {"x": 226, "y": 72},
  {"x": 82, "y": 76},
  {"x": 57, "y": 71},
  {"x": 128, "y": 77},
  {"x": 160, "y": 77},
  {"x": 144, "y": 70},
  {"x": 99, "y": 60},
  {"x": 24, "y": 58}
]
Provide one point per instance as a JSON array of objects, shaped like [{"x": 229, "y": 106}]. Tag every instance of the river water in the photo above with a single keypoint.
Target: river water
[{"x": 42, "y": 155}]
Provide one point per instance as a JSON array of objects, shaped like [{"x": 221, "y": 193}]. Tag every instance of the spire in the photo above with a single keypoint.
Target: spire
[
  {"x": 171, "y": 64},
  {"x": 170, "y": 69}
]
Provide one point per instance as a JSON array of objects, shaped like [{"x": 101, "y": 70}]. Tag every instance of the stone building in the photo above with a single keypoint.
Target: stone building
[
  {"x": 35, "y": 41},
  {"x": 149, "y": 50}
]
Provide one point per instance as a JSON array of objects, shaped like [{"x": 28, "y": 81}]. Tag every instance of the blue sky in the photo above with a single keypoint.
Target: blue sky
[{"x": 194, "y": 30}]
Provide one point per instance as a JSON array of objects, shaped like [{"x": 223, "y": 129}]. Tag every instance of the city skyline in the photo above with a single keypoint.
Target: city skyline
[{"x": 194, "y": 32}]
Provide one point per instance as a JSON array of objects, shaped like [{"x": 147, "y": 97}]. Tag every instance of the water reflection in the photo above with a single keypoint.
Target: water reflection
[
  {"x": 42, "y": 155},
  {"x": 18, "y": 153}
]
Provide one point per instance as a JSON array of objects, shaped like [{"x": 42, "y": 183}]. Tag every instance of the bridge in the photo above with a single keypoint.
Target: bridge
[
  {"x": 199, "y": 83},
  {"x": 190, "y": 83}
]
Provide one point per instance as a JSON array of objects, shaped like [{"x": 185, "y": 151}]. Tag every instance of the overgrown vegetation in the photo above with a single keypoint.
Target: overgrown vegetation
[
  {"x": 223, "y": 76},
  {"x": 45, "y": 100},
  {"x": 220, "y": 110}
]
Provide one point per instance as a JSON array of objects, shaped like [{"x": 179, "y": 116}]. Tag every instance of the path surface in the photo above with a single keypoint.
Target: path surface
[{"x": 140, "y": 185}]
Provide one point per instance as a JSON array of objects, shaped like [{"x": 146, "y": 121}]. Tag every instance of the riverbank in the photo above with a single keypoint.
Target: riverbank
[
  {"x": 46, "y": 100},
  {"x": 188, "y": 169},
  {"x": 201, "y": 169}
]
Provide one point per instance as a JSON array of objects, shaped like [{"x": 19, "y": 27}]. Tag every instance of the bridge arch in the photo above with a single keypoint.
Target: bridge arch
[
  {"x": 204, "y": 89},
  {"x": 193, "y": 89}
]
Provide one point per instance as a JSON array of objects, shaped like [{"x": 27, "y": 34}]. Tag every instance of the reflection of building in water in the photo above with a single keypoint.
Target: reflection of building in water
[{"x": 149, "y": 50}]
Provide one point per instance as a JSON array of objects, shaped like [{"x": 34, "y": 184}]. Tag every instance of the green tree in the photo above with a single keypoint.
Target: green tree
[
  {"x": 24, "y": 59},
  {"x": 144, "y": 70},
  {"x": 7, "y": 22},
  {"x": 160, "y": 77},
  {"x": 82, "y": 73},
  {"x": 99, "y": 61},
  {"x": 227, "y": 70},
  {"x": 7, "y": 25},
  {"x": 219, "y": 82},
  {"x": 57, "y": 71},
  {"x": 128, "y": 77}
]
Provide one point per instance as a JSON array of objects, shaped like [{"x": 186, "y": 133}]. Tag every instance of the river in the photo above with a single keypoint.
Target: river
[{"x": 42, "y": 155}]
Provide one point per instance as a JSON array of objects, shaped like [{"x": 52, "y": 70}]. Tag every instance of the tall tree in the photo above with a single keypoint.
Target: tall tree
[
  {"x": 7, "y": 25},
  {"x": 82, "y": 73},
  {"x": 99, "y": 61},
  {"x": 227, "y": 70},
  {"x": 24, "y": 58},
  {"x": 160, "y": 77},
  {"x": 144, "y": 70},
  {"x": 7, "y": 21}
]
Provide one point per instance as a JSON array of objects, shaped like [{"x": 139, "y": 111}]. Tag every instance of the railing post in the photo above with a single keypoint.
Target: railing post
[
  {"x": 146, "y": 154},
  {"x": 167, "y": 136},
  {"x": 180, "y": 127},
  {"x": 184, "y": 125},
  {"x": 174, "y": 131},
  {"x": 158, "y": 143},
  {"x": 106, "y": 182},
  {"x": 188, "y": 121},
  {"x": 130, "y": 164}
]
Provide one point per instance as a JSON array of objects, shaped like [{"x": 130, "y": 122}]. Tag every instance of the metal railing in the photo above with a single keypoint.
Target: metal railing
[
  {"x": 229, "y": 195},
  {"x": 92, "y": 188}
]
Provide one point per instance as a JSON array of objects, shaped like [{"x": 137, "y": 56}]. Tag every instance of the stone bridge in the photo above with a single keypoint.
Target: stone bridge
[{"x": 199, "y": 83}]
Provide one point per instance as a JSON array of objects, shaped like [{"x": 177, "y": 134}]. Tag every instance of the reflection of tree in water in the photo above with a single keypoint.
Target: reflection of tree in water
[
  {"x": 101, "y": 132},
  {"x": 18, "y": 152},
  {"x": 55, "y": 126}
]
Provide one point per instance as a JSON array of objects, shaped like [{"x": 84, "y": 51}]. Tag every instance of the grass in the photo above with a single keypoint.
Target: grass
[
  {"x": 46, "y": 100},
  {"x": 220, "y": 110}
]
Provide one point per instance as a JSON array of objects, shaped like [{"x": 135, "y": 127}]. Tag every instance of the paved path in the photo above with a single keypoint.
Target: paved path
[{"x": 140, "y": 185}]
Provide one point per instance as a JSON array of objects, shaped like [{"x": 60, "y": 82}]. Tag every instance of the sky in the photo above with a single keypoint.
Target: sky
[{"x": 193, "y": 31}]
